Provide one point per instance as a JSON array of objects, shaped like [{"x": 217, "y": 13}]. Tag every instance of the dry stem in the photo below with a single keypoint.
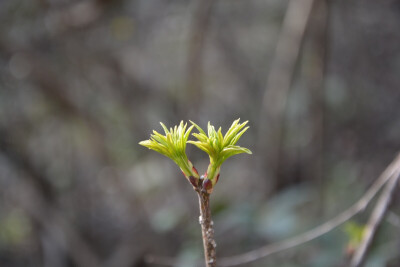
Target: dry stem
[{"x": 207, "y": 229}]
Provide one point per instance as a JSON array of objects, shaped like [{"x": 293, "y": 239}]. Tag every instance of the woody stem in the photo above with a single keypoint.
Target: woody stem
[{"x": 207, "y": 229}]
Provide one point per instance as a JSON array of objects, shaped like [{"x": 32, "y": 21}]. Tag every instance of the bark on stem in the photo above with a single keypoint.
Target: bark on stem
[{"x": 207, "y": 229}]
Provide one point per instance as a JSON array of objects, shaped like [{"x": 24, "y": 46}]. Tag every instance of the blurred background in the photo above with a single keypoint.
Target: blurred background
[{"x": 82, "y": 82}]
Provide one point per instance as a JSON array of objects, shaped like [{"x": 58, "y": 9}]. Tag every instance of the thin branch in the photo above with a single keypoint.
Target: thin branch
[
  {"x": 314, "y": 152},
  {"x": 375, "y": 220},
  {"x": 318, "y": 231},
  {"x": 207, "y": 229}
]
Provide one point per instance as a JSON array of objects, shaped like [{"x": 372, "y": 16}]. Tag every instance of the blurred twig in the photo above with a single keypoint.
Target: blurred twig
[
  {"x": 315, "y": 73},
  {"x": 393, "y": 170},
  {"x": 375, "y": 220},
  {"x": 198, "y": 32},
  {"x": 279, "y": 79}
]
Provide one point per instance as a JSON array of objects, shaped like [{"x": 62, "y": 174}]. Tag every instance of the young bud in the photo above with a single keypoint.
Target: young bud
[
  {"x": 194, "y": 181},
  {"x": 213, "y": 173},
  {"x": 207, "y": 186}
]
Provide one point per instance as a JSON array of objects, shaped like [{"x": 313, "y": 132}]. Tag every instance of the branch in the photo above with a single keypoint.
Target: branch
[
  {"x": 207, "y": 229},
  {"x": 360, "y": 205},
  {"x": 375, "y": 220}
]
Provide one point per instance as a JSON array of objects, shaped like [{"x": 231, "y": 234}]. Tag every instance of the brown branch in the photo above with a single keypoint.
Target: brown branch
[
  {"x": 207, "y": 229},
  {"x": 375, "y": 220}
]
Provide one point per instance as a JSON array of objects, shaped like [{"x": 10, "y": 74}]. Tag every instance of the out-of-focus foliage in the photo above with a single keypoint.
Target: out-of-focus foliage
[
  {"x": 82, "y": 82},
  {"x": 355, "y": 233}
]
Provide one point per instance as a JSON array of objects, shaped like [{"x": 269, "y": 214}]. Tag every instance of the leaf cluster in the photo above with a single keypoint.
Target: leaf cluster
[
  {"x": 172, "y": 144},
  {"x": 220, "y": 147}
]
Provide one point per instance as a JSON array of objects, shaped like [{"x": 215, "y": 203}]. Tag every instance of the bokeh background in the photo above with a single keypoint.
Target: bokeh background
[{"x": 82, "y": 82}]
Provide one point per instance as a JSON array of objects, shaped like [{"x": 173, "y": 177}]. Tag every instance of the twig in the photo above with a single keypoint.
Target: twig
[
  {"x": 314, "y": 152},
  {"x": 375, "y": 220},
  {"x": 207, "y": 229},
  {"x": 318, "y": 231}
]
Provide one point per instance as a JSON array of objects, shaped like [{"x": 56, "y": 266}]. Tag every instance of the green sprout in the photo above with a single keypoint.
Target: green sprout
[
  {"x": 219, "y": 148},
  {"x": 173, "y": 146}
]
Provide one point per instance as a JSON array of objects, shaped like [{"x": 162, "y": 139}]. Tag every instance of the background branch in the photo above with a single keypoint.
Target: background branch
[
  {"x": 375, "y": 220},
  {"x": 274, "y": 100}
]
